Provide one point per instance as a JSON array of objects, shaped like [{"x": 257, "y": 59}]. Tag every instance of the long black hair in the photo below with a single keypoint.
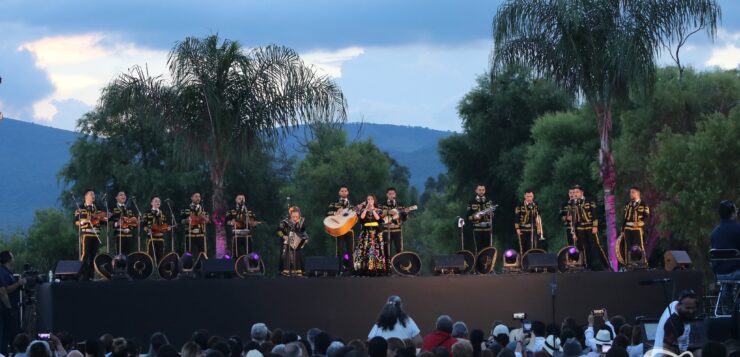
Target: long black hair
[{"x": 392, "y": 313}]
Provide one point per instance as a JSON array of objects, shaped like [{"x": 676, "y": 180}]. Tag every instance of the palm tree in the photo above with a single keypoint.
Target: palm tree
[
  {"x": 225, "y": 101},
  {"x": 600, "y": 49}
]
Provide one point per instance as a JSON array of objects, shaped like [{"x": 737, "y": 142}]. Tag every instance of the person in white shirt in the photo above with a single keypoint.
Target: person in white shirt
[
  {"x": 596, "y": 323},
  {"x": 603, "y": 342},
  {"x": 674, "y": 326},
  {"x": 394, "y": 322}
]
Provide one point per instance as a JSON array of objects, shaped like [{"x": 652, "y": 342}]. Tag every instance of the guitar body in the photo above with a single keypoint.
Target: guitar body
[{"x": 341, "y": 223}]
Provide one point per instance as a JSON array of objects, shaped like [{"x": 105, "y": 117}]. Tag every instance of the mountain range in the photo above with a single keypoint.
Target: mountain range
[{"x": 32, "y": 156}]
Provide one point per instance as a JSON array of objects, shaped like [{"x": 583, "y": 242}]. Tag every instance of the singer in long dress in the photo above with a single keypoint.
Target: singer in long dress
[{"x": 370, "y": 259}]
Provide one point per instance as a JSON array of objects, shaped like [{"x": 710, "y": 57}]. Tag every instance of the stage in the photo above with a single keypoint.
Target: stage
[{"x": 346, "y": 307}]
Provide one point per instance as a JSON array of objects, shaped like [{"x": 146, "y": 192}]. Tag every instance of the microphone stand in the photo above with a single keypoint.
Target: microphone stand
[
  {"x": 138, "y": 227},
  {"x": 107, "y": 223},
  {"x": 79, "y": 225},
  {"x": 174, "y": 224}
]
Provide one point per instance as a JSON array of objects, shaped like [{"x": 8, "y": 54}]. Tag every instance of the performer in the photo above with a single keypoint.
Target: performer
[
  {"x": 292, "y": 231},
  {"x": 88, "y": 218},
  {"x": 155, "y": 225},
  {"x": 124, "y": 223},
  {"x": 581, "y": 217},
  {"x": 528, "y": 223},
  {"x": 481, "y": 222},
  {"x": 342, "y": 203},
  {"x": 636, "y": 214},
  {"x": 195, "y": 218},
  {"x": 369, "y": 256},
  {"x": 395, "y": 215},
  {"x": 241, "y": 221}
]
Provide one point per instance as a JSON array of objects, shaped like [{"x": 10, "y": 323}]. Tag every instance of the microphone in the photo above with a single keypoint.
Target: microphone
[
  {"x": 132, "y": 198},
  {"x": 167, "y": 200},
  {"x": 460, "y": 222},
  {"x": 655, "y": 281}
]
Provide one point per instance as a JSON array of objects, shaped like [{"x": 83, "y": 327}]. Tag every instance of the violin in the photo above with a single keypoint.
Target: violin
[
  {"x": 161, "y": 228},
  {"x": 95, "y": 218},
  {"x": 195, "y": 220},
  {"x": 128, "y": 222}
]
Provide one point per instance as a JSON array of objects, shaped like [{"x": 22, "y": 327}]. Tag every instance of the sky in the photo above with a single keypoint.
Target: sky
[{"x": 397, "y": 62}]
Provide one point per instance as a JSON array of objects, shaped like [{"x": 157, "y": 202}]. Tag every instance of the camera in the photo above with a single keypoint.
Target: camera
[
  {"x": 599, "y": 312},
  {"x": 32, "y": 277},
  {"x": 521, "y": 316},
  {"x": 527, "y": 326},
  {"x": 44, "y": 336}
]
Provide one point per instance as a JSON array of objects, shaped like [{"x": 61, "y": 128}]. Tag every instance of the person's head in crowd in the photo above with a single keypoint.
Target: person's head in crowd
[
  {"x": 621, "y": 340},
  {"x": 552, "y": 346},
  {"x": 311, "y": 335},
  {"x": 488, "y": 353},
  {"x": 66, "y": 340},
  {"x": 21, "y": 342},
  {"x": 266, "y": 347},
  {"x": 221, "y": 345},
  {"x": 462, "y": 348},
  {"x": 552, "y": 329},
  {"x": 599, "y": 322},
  {"x": 215, "y": 339},
  {"x": 321, "y": 343},
  {"x": 358, "y": 345},
  {"x": 277, "y": 336},
  {"x": 279, "y": 349},
  {"x": 289, "y": 336},
  {"x": 75, "y": 353},
  {"x": 168, "y": 350},
  {"x": 190, "y": 349},
  {"x": 713, "y": 349},
  {"x": 133, "y": 345},
  {"x": 440, "y": 351},
  {"x": 444, "y": 324},
  {"x": 251, "y": 345},
  {"x": 477, "y": 337},
  {"x": 567, "y": 334},
  {"x": 107, "y": 340},
  {"x": 335, "y": 349},
  {"x": 727, "y": 210},
  {"x": 235, "y": 346},
  {"x": 603, "y": 337},
  {"x": 156, "y": 341},
  {"x": 626, "y": 331},
  {"x": 259, "y": 332},
  {"x": 498, "y": 329},
  {"x": 617, "y": 321},
  {"x": 425, "y": 354},
  {"x": 538, "y": 328},
  {"x": 688, "y": 304},
  {"x": 307, "y": 348},
  {"x": 94, "y": 348},
  {"x": 572, "y": 348},
  {"x": 395, "y": 344},
  {"x": 7, "y": 259},
  {"x": 636, "y": 337},
  {"x": 213, "y": 353},
  {"x": 377, "y": 347},
  {"x": 253, "y": 353},
  {"x": 119, "y": 347},
  {"x": 617, "y": 351},
  {"x": 293, "y": 349},
  {"x": 38, "y": 349},
  {"x": 541, "y": 354},
  {"x": 201, "y": 338},
  {"x": 506, "y": 352},
  {"x": 460, "y": 330},
  {"x": 392, "y": 313}
]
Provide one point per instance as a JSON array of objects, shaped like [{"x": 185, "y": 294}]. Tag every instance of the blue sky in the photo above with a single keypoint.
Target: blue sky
[{"x": 401, "y": 62}]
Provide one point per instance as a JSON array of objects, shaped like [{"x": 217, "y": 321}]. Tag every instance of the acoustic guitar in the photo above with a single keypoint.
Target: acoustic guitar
[{"x": 341, "y": 222}]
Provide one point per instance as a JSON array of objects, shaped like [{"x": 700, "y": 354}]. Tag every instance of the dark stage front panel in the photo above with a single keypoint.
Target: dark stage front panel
[{"x": 345, "y": 307}]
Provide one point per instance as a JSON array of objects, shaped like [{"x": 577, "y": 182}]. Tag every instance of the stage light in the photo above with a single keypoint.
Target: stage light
[
  {"x": 511, "y": 261},
  {"x": 187, "y": 261},
  {"x": 345, "y": 257},
  {"x": 636, "y": 257},
  {"x": 254, "y": 256},
  {"x": 573, "y": 253},
  {"x": 227, "y": 257}
]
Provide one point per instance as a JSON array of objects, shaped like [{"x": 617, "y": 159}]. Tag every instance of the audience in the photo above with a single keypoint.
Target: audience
[
  {"x": 441, "y": 337},
  {"x": 394, "y": 322},
  {"x": 460, "y": 330},
  {"x": 462, "y": 348}
]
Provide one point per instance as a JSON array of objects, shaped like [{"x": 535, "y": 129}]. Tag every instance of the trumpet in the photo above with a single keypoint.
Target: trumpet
[{"x": 538, "y": 222}]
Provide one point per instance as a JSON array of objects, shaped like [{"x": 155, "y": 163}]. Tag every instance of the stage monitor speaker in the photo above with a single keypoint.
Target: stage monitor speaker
[
  {"x": 322, "y": 266},
  {"x": 218, "y": 268},
  {"x": 676, "y": 259},
  {"x": 68, "y": 270},
  {"x": 448, "y": 264},
  {"x": 540, "y": 262}
]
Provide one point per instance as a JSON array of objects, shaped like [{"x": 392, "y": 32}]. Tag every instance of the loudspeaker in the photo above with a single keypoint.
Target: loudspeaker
[
  {"x": 68, "y": 270},
  {"x": 536, "y": 262},
  {"x": 448, "y": 264},
  {"x": 322, "y": 266},
  {"x": 218, "y": 268},
  {"x": 676, "y": 259}
]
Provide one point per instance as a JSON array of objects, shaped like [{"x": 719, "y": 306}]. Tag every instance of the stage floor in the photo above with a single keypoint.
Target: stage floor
[{"x": 346, "y": 307}]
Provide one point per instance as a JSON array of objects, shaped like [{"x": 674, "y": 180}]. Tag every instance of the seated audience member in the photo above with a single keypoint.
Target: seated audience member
[
  {"x": 635, "y": 347},
  {"x": 133, "y": 345},
  {"x": 119, "y": 347},
  {"x": 94, "y": 348},
  {"x": 294, "y": 349},
  {"x": 441, "y": 337},
  {"x": 596, "y": 323},
  {"x": 38, "y": 349},
  {"x": 190, "y": 349},
  {"x": 476, "y": 340},
  {"x": 321, "y": 344},
  {"x": 201, "y": 337},
  {"x": 537, "y": 340},
  {"x": 460, "y": 330},
  {"x": 617, "y": 351},
  {"x": 377, "y": 347},
  {"x": 168, "y": 350},
  {"x": 311, "y": 336},
  {"x": 394, "y": 322},
  {"x": 440, "y": 352},
  {"x": 572, "y": 348},
  {"x": 713, "y": 349},
  {"x": 674, "y": 325},
  {"x": 621, "y": 341},
  {"x": 335, "y": 349},
  {"x": 107, "y": 340},
  {"x": 462, "y": 348},
  {"x": 603, "y": 337},
  {"x": 20, "y": 344},
  {"x": 552, "y": 346}
]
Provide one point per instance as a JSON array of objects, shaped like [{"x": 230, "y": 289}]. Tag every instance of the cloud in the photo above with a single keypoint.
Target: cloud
[
  {"x": 728, "y": 55},
  {"x": 79, "y": 66},
  {"x": 330, "y": 62},
  {"x": 22, "y": 84}
]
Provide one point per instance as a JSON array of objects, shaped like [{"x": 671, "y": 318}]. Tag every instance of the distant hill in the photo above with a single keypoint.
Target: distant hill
[{"x": 33, "y": 154}]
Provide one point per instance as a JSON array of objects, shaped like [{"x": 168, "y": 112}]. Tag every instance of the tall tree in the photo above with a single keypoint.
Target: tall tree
[
  {"x": 225, "y": 100},
  {"x": 601, "y": 49}
]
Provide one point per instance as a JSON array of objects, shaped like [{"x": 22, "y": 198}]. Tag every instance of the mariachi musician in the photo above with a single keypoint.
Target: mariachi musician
[
  {"x": 581, "y": 217},
  {"x": 124, "y": 224},
  {"x": 636, "y": 214},
  {"x": 195, "y": 218},
  {"x": 241, "y": 221},
  {"x": 528, "y": 223},
  {"x": 394, "y": 215},
  {"x": 155, "y": 226},
  {"x": 292, "y": 231},
  {"x": 87, "y": 219},
  {"x": 334, "y": 207},
  {"x": 482, "y": 227}
]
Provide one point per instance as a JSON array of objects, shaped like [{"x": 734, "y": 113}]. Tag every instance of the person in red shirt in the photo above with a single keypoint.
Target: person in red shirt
[{"x": 441, "y": 337}]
